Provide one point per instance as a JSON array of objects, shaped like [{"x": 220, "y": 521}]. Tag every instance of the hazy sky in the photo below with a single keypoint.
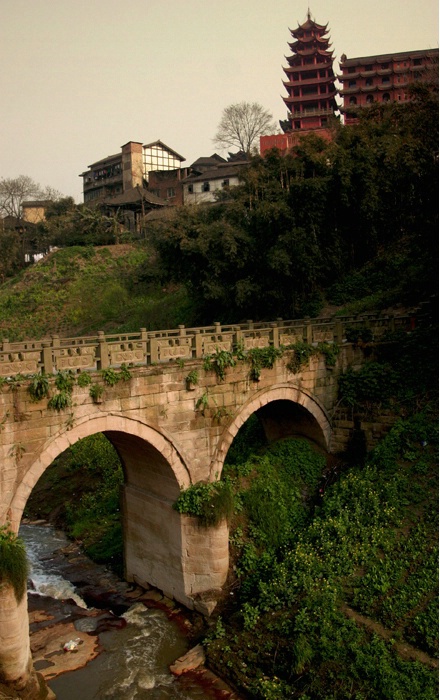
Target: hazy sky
[{"x": 79, "y": 78}]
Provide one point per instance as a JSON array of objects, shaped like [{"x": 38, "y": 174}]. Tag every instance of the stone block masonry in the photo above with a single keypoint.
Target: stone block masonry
[{"x": 167, "y": 436}]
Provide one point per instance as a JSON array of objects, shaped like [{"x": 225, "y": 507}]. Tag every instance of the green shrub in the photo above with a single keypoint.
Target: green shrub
[
  {"x": 60, "y": 401},
  {"x": 300, "y": 353},
  {"x": 219, "y": 362},
  {"x": 96, "y": 391},
  {"x": 39, "y": 387},
  {"x": 209, "y": 502},
  {"x": 84, "y": 379},
  {"x": 65, "y": 381},
  {"x": 110, "y": 377},
  {"x": 14, "y": 566},
  {"x": 124, "y": 373},
  {"x": 262, "y": 358},
  {"x": 192, "y": 377}
]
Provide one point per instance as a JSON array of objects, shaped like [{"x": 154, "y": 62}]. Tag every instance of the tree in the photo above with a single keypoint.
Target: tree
[
  {"x": 15, "y": 191},
  {"x": 241, "y": 125}
]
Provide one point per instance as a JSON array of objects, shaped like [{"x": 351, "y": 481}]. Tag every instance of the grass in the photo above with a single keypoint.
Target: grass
[
  {"x": 368, "y": 542},
  {"x": 80, "y": 290}
]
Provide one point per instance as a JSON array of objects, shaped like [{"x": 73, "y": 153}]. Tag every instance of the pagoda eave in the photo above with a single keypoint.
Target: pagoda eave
[
  {"x": 309, "y": 24},
  {"x": 307, "y": 83},
  {"x": 309, "y": 40},
  {"x": 328, "y": 97}
]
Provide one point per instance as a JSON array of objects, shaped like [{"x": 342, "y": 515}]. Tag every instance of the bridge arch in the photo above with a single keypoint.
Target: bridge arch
[
  {"x": 161, "y": 547},
  {"x": 284, "y": 410},
  {"x": 137, "y": 444}
]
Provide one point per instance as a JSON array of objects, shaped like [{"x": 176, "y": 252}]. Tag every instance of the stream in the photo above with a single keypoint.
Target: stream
[{"x": 135, "y": 651}]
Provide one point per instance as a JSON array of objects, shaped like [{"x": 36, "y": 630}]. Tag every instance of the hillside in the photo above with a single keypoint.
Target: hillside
[
  {"x": 333, "y": 583},
  {"x": 80, "y": 290}
]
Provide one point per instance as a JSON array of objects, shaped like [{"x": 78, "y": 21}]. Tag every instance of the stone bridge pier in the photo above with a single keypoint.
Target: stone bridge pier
[{"x": 168, "y": 433}]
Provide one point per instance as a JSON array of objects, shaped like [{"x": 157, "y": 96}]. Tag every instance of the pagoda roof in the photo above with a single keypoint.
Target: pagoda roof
[
  {"x": 297, "y": 57},
  {"x": 311, "y": 81},
  {"x": 308, "y": 24},
  {"x": 311, "y": 98},
  {"x": 309, "y": 40}
]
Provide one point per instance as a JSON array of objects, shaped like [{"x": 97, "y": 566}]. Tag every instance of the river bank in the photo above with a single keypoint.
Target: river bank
[{"x": 101, "y": 623}]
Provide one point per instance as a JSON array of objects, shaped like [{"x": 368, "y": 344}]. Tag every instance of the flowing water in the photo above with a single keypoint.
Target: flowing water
[{"x": 134, "y": 664}]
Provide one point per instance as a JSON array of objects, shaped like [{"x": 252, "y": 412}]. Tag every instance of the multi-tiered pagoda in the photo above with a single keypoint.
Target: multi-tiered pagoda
[{"x": 310, "y": 79}]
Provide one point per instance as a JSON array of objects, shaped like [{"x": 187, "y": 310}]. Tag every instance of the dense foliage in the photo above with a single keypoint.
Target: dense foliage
[
  {"x": 333, "y": 582},
  {"x": 14, "y": 566},
  {"x": 332, "y": 592},
  {"x": 84, "y": 484},
  {"x": 347, "y": 216}
]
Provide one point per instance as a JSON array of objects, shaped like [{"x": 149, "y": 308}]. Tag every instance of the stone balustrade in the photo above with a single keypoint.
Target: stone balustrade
[{"x": 102, "y": 351}]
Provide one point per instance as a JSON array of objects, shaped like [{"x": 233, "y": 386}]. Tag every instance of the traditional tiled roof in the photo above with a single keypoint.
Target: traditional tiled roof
[
  {"x": 224, "y": 170},
  {"x": 165, "y": 147},
  {"x": 107, "y": 159},
  {"x": 135, "y": 195},
  {"x": 37, "y": 203},
  {"x": 384, "y": 58}
]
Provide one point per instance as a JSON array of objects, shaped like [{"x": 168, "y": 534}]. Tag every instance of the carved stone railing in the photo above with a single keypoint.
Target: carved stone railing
[{"x": 101, "y": 351}]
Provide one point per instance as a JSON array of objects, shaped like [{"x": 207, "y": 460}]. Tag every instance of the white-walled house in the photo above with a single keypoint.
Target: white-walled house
[{"x": 208, "y": 176}]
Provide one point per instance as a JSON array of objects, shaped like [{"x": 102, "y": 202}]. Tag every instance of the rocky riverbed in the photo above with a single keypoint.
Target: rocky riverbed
[{"x": 71, "y": 635}]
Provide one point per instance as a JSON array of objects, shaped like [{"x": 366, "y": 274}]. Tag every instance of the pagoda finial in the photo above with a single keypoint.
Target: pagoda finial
[{"x": 309, "y": 16}]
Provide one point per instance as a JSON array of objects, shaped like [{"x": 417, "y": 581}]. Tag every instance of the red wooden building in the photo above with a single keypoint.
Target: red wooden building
[
  {"x": 383, "y": 78},
  {"x": 310, "y": 79},
  {"x": 310, "y": 85}
]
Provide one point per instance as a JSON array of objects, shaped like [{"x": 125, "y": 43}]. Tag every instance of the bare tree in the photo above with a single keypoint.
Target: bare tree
[
  {"x": 15, "y": 191},
  {"x": 242, "y": 124}
]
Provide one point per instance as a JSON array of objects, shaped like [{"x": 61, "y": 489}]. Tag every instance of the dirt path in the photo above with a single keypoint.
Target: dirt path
[{"x": 405, "y": 650}]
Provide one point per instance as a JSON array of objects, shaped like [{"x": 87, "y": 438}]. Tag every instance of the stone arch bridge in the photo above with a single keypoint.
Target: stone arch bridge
[{"x": 169, "y": 434}]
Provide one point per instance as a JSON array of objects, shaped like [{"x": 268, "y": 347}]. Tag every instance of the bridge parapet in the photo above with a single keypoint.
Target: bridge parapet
[{"x": 101, "y": 351}]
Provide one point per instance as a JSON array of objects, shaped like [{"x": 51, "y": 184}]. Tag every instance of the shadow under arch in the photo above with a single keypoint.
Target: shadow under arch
[
  {"x": 150, "y": 458},
  {"x": 154, "y": 470},
  {"x": 284, "y": 410}
]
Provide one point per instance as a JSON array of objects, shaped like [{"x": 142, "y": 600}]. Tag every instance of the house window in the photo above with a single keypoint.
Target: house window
[
  {"x": 205, "y": 187},
  {"x": 370, "y": 99},
  {"x": 384, "y": 66},
  {"x": 190, "y": 189},
  {"x": 352, "y": 83},
  {"x": 353, "y": 101},
  {"x": 417, "y": 62},
  {"x": 386, "y": 97},
  {"x": 386, "y": 79},
  {"x": 225, "y": 183},
  {"x": 368, "y": 68},
  {"x": 171, "y": 192},
  {"x": 369, "y": 82}
]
